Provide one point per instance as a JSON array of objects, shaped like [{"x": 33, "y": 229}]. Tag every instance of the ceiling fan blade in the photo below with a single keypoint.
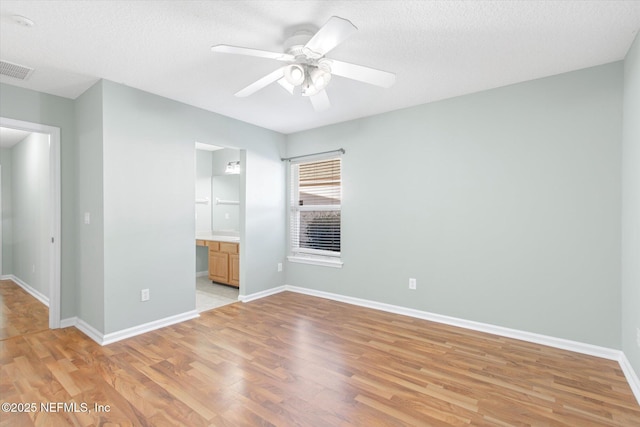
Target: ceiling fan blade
[
  {"x": 320, "y": 101},
  {"x": 363, "y": 74},
  {"x": 286, "y": 85},
  {"x": 261, "y": 83},
  {"x": 334, "y": 32},
  {"x": 224, "y": 48}
]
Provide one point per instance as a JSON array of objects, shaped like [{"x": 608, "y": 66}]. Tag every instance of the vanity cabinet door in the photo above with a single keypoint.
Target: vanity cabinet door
[
  {"x": 218, "y": 266},
  {"x": 224, "y": 262}
]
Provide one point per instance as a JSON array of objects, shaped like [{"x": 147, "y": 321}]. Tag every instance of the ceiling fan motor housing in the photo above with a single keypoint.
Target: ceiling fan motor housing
[{"x": 294, "y": 44}]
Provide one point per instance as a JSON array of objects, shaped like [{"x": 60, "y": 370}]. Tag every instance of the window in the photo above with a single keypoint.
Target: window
[{"x": 314, "y": 217}]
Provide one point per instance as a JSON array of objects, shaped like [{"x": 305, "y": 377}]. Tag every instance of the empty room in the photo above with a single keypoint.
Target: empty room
[{"x": 319, "y": 213}]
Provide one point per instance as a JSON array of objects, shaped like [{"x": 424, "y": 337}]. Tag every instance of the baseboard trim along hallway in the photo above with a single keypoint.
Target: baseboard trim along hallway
[{"x": 28, "y": 288}]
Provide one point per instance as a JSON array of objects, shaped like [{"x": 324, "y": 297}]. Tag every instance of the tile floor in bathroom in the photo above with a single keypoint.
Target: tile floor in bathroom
[{"x": 211, "y": 295}]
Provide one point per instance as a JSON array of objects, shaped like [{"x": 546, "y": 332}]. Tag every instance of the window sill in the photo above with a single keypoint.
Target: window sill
[{"x": 324, "y": 262}]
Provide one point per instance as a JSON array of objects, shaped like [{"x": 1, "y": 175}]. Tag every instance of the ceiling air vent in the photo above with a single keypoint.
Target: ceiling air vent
[{"x": 15, "y": 71}]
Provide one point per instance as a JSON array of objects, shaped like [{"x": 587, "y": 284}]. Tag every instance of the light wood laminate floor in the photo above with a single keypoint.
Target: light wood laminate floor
[
  {"x": 295, "y": 360},
  {"x": 20, "y": 313}
]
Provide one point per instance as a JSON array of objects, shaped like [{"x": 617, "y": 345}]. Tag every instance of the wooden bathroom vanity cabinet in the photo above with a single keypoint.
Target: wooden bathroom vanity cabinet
[{"x": 224, "y": 261}]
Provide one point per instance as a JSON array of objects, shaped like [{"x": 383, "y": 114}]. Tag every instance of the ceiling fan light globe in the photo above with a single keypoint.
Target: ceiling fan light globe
[
  {"x": 297, "y": 74},
  {"x": 294, "y": 74},
  {"x": 320, "y": 78},
  {"x": 323, "y": 81},
  {"x": 309, "y": 88}
]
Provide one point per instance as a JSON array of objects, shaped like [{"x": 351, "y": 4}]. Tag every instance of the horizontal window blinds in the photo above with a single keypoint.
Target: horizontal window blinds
[{"x": 316, "y": 197}]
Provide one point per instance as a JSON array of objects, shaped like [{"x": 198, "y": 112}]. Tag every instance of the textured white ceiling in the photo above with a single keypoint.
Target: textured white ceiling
[{"x": 438, "y": 49}]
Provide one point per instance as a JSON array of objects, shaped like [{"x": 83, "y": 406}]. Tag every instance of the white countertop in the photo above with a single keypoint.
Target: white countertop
[{"x": 217, "y": 237}]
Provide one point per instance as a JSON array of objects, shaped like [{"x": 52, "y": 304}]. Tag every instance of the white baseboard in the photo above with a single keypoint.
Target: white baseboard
[
  {"x": 89, "y": 331},
  {"x": 28, "y": 288},
  {"x": 561, "y": 343},
  {"x": 630, "y": 374},
  {"x": 148, "y": 327},
  {"x": 202, "y": 273},
  {"x": 104, "y": 339},
  {"x": 262, "y": 294},
  {"x": 68, "y": 322}
]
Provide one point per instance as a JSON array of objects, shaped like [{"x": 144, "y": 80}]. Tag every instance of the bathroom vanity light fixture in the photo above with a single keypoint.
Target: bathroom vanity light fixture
[{"x": 232, "y": 168}]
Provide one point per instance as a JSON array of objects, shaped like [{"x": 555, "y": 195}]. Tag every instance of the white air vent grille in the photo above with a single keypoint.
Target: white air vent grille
[{"x": 15, "y": 71}]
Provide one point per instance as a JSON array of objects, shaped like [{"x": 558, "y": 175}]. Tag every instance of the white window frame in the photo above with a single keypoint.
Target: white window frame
[{"x": 307, "y": 255}]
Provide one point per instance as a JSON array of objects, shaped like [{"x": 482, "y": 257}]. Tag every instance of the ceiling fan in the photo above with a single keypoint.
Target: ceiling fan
[{"x": 308, "y": 71}]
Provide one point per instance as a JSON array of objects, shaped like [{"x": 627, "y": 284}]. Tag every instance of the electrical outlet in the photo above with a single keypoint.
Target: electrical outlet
[
  {"x": 638, "y": 336},
  {"x": 279, "y": 267},
  {"x": 33, "y": 268},
  {"x": 144, "y": 295},
  {"x": 412, "y": 283}
]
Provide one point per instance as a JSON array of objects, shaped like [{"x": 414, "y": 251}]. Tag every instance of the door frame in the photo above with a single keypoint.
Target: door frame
[{"x": 55, "y": 207}]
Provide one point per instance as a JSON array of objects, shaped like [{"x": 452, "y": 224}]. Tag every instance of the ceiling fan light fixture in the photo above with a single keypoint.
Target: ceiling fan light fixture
[
  {"x": 319, "y": 78},
  {"x": 307, "y": 71},
  {"x": 294, "y": 74},
  {"x": 312, "y": 86},
  {"x": 308, "y": 89}
]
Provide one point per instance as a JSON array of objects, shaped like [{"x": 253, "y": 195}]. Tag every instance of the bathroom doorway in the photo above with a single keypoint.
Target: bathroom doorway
[{"x": 218, "y": 219}]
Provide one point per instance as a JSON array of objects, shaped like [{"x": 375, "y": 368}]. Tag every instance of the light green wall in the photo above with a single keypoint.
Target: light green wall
[
  {"x": 7, "y": 212},
  {"x": 30, "y": 212},
  {"x": 204, "y": 163},
  {"x": 149, "y": 175},
  {"x": 149, "y": 217},
  {"x": 90, "y": 199},
  {"x": 631, "y": 208},
  {"x": 504, "y": 205},
  {"x": 132, "y": 169},
  {"x": 26, "y": 105}
]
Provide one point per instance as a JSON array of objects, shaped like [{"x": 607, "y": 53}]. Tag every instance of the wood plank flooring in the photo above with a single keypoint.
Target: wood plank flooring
[
  {"x": 296, "y": 360},
  {"x": 20, "y": 313}
]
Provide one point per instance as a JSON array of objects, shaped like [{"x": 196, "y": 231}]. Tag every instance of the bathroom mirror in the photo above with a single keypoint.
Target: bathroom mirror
[
  {"x": 226, "y": 206},
  {"x": 217, "y": 191}
]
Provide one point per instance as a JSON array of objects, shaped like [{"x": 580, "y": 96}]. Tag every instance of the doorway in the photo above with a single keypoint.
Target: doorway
[
  {"x": 218, "y": 219},
  {"x": 52, "y": 228}
]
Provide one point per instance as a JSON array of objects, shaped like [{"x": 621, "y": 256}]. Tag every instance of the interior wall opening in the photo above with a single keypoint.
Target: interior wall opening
[
  {"x": 218, "y": 224},
  {"x": 30, "y": 231}
]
